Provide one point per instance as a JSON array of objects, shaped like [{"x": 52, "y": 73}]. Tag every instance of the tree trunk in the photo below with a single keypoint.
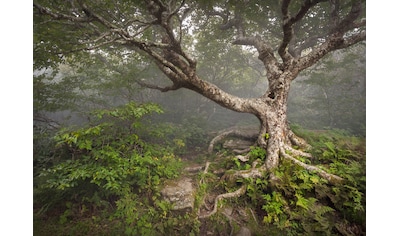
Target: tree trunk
[
  {"x": 274, "y": 127},
  {"x": 271, "y": 110}
]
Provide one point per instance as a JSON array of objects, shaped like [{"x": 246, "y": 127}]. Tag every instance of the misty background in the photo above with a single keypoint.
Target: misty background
[{"x": 329, "y": 95}]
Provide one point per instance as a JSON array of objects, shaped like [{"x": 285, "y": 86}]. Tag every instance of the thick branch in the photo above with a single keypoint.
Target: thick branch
[
  {"x": 265, "y": 51},
  {"x": 333, "y": 43},
  {"x": 307, "y": 43},
  {"x": 173, "y": 72},
  {"x": 164, "y": 13},
  {"x": 99, "y": 18},
  {"x": 184, "y": 75},
  {"x": 288, "y": 22},
  {"x": 287, "y": 31},
  {"x": 304, "y": 9}
]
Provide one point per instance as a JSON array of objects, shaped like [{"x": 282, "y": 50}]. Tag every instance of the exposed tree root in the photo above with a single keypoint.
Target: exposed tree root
[
  {"x": 330, "y": 177},
  {"x": 284, "y": 151},
  {"x": 234, "y": 133},
  {"x": 205, "y": 171},
  {"x": 296, "y": 152},
  {"x": 239, "y": 151},
  {"x": 251, "y": 173},
  {"x": 258, "y": 172},
  {"x": 297, "y": 141},
  {"x": 236, "y": 193},
  {"x": 243, "y": 158}
]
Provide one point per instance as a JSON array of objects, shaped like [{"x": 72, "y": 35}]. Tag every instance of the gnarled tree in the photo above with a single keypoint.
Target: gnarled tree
[{"x": 287, "y": 37}]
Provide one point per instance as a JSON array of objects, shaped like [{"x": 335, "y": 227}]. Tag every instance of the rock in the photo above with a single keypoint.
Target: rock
[
  {"x": 228, "y": 211},
  {"x": 244, "y": 231},
  {"x": 180, "y": 193}
]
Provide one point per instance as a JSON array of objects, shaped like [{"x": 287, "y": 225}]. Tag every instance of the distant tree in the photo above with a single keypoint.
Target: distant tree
[{"x": 286, "y": 36}]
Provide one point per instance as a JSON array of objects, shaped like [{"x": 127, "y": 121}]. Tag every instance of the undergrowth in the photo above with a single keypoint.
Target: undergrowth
[
  {"x": 104, "y": 179},
  {"x": 300, "y": 202}
]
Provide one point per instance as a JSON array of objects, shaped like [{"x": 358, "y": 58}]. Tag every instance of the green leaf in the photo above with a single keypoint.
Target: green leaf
[{"x": 302, "y": 202}]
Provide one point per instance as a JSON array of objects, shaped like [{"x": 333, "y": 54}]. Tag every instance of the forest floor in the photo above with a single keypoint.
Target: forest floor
[
  {"x": 233, "y": 217},
  {"x": 209, "y": 174}
]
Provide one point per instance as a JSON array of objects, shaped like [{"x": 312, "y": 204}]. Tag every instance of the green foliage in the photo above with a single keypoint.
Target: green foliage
[
  {"x": 142, "y": 218},
  {"x": 257, "y": 153},
  {"x": 43, "y": 143},
  {"x": 108, "y": 167},
  {"x": 130, "y": 111},
  {"x": 300, "y": 202},
  {"x": 255, "y": 189},
  {"x": 233, "y": 162}
]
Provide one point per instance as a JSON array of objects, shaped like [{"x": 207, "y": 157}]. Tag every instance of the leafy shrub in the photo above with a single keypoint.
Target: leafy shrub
[{"x": 108, "y": 167}]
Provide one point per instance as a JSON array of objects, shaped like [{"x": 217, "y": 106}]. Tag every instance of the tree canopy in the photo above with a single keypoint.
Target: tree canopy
[{"x": 309, "y": 30}]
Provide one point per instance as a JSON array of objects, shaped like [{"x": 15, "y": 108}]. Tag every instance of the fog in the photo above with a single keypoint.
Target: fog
[{"x": 329, "y": 95}]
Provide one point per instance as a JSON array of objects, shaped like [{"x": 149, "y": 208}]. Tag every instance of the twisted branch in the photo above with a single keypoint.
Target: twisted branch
[{"x": 288, "y": 22}]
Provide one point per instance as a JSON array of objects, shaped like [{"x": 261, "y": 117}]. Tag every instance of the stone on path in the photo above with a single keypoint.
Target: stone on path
[{"x": 180, "y": 193}]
